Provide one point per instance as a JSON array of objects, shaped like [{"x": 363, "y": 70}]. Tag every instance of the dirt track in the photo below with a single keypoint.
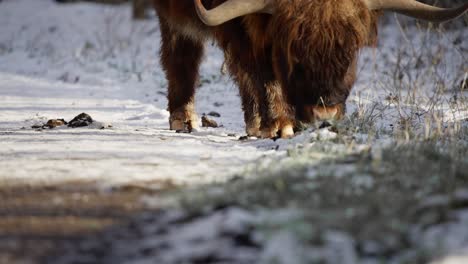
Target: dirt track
[{"x": 35, "y": 222}]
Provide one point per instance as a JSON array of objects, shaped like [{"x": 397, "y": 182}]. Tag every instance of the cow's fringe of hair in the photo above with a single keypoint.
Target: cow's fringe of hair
[{"x": 326, "y": 36}]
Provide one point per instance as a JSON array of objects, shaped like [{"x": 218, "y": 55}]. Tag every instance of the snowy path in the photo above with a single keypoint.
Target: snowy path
[
  {"x": 48, "y": 71},
  {"x": 138, "y": 149},
  {"x": 57, "y": 61},
  {"x": 127, "y": 153}
]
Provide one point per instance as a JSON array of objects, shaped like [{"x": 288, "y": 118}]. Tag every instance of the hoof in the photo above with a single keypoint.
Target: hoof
[
  {"x": 184, "y": 127},
  {"x": 183, "y": 123},
  {"x": 253, "y": 132},
  {"x": 287, "y": 132},
  {"x": 252, "y": 127},
  {"x": 177, "y": 125}
]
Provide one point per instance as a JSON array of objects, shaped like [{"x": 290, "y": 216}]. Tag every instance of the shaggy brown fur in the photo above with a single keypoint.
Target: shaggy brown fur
[{"x": 299, "y": 64}]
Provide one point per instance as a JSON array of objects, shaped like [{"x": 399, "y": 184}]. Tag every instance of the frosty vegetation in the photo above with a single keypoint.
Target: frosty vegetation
[{"x": 388, "y": 184}]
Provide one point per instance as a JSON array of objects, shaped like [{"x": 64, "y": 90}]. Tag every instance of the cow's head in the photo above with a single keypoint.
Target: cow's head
[{"x": 315, "y": 43}]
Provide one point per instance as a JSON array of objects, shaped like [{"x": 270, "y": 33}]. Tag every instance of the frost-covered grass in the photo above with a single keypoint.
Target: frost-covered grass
[
  {"x": 385, "y": 205},
  {"x": 325, "y": 203}
]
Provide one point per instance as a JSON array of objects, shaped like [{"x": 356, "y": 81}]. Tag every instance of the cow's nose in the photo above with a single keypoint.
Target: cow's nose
[{"x": 323, "y": 113}]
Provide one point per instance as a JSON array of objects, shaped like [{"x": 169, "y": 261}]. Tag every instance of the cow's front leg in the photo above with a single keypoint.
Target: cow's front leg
[
  {"x": 267, "y": 114},
  {"x": 180, "y": 57},
  {"x": 277, "y": 118},
  {"x": 262, "y": 100},
  {"x": 265, "y": 111}
]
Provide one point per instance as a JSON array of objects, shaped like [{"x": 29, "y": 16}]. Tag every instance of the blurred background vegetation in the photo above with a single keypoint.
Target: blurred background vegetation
[{"x": 143, "y": 8}]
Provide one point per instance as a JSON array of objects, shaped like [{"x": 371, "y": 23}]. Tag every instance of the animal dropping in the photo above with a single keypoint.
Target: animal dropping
[
  {"x": 81, "y": 120},
  {"x": 206, "y": 122},
  {"x": 55, "y": 123}
]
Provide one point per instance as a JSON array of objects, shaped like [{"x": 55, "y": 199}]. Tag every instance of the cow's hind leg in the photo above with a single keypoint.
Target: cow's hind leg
[
  {"x": 248, "y": 95},
  {"x": 180, "y": 58}
]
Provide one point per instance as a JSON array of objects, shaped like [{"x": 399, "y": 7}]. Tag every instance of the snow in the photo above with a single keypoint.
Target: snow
[
  {"x": 57, "y": 61},
  {"x": 452, "y": 260},
  {"x": 52, "y": 66}
]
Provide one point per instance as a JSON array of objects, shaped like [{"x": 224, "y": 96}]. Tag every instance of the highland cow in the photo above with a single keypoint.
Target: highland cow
[{"x": 293, "y": 60}]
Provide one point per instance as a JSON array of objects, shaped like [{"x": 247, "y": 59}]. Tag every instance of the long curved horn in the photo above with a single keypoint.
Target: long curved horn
[
  {"x": 417, "y": 10},
  {"x": 231, "y": 9}
]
